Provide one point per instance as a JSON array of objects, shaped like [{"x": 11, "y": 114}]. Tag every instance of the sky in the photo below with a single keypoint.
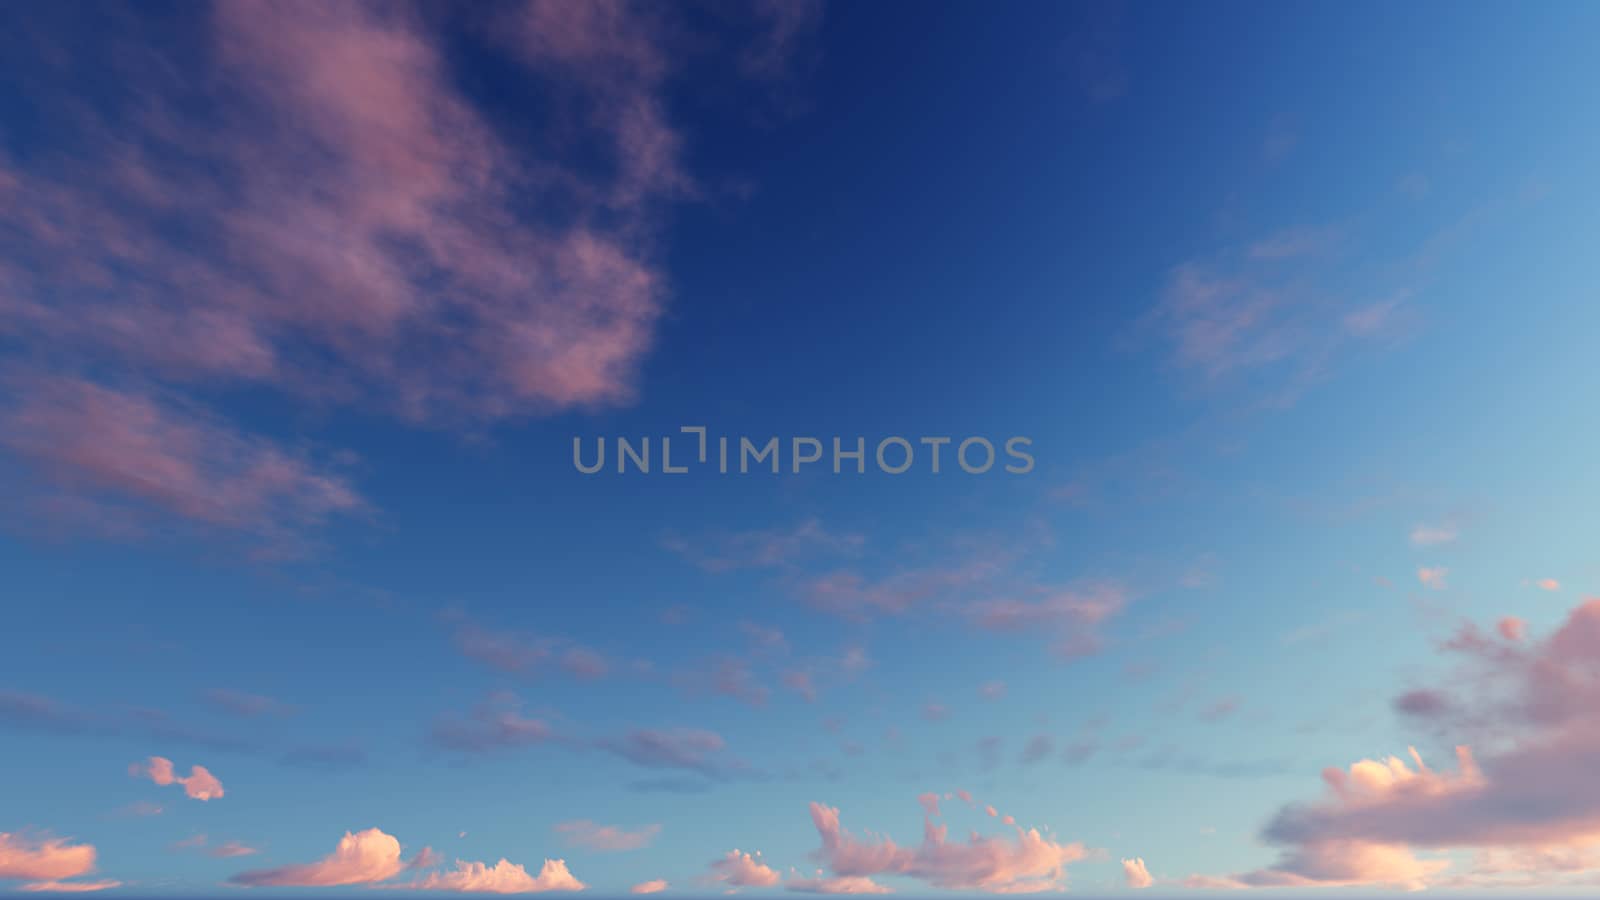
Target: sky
[{"x": 1278, "y": 319}]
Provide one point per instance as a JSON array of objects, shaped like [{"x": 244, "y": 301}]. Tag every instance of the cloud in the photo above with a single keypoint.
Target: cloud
[
  {"x": 1434, "y": 578},
  {"x": 801, "y": 683},
  {"x": 930, "y": 803},
  {"x": 231, "y": 849},
  {"x": 765, "y": 549},
  {"x": 312, "y": 206},
  {"x": 1134, "y": 871},
  {"x": 68, "y": 887},
  {"x": 609, "y": 838},
  {"x": 45, "y": 859},
  {"x": 515, "y": 653},
  {"x": 1304, "y": 240},
  {"x": 846, "y": 884},
  {"x": 199, "y": 784},
  {"x": 362, "y": 857},
  {"x": 225, "y": 850},
  {"x": 692, "y": 749},
  {"x": 1530, "y": 797},
  {"x": 163, "y": 453},
  {"x": 494, "y": 724},
  {"x": 738, "y": 869},
  {"x": 1038, "y": 748},
  {"x": 1434, "y": 535},
  {"x": 1274, "y": 315},
  {"x": 1511, "y": 628},
  {"x": 654, "y": 886},
  {"x": 240, "y": 703},
  {"x": 504, "y": 877},
  {"x": 36, "y": 712},
  {"x": 1028, "y": 862},
  {"x": 1074, "y": 614},
  {"x": 1547, "y": 584}
]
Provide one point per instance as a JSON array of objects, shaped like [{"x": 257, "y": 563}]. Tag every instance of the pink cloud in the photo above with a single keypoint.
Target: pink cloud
[
  {"x": 225, "y": 850},
  {"x": 1511, "y": 628},
  {"x": 1531, "y": 797},
  {"x": 68, "y": 887},
  {"x": 845, "y": 884},
  {"x": 654, "y": 886},
  {"x": 1135, "y": 873},
  {"x": 930, "y": 803},
  {"x": 610, "y": 838},
  {"x": 1434, "y": 578},
  {"x": 362, "y": 857},
  {"x": 43, "y": 858},
  {"x": 199, "y": 784},
  {"x": 231, "y": 849},
  {"x": 1029, "y": 862},
  {"x": 495, "y": 724},
  {"x": 167, "y": 455},
  {"x": 738, "y": 869},
  {"x": 1548, "y": 584},
  {"x": 504, "y": 877},
  {"x": 518, "y": 653},
  {"x": 318, "y": 261}
]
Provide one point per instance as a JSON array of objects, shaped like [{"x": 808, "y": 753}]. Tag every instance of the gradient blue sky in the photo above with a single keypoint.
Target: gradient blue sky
[{"x": 301, "y": 309}]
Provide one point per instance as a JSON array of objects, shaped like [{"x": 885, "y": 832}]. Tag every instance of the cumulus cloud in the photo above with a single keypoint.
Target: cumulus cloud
[
  {"x": 1528, "y": 803},
  {"x": 44, "y": 862},
  {"x": 610, "y": 838},
  {"x": 504, "y": 877},
  {"x": 738, "y": 869},
  {"x": 199, "y": 784},
  {"x": 1134, "y": 871},
  {"x": 1025, "y": 863},
  {"x": 362, "y": 857}
]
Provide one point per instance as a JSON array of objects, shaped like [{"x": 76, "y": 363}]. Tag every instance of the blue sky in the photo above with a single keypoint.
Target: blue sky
[{"x": 301, "y": 310}]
